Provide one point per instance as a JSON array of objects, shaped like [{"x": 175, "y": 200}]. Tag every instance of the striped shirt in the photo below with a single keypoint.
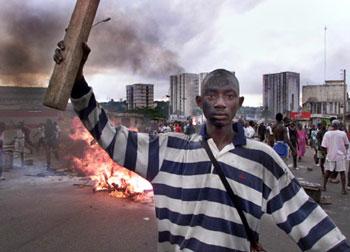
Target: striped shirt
[{"x": 193, "y": 210}]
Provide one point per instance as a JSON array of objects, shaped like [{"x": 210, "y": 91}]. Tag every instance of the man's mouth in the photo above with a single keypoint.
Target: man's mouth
[{"x": 220, "y": 116}]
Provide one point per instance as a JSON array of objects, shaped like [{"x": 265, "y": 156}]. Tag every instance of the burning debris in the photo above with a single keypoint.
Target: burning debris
[{"x": 105, "y": 175}]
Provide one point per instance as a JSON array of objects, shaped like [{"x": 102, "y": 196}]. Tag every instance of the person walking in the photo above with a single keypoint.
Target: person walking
[
  {"x": 262, "y": 131},
  {"x": 282, "y": 142},
  {"x": 313, "y": 141},
  {"x": 321, "y": 153},
  {"x": 294, "y": 141},
  {"x": 336, "y": 143},
  {"x": 302, "y": 140},
  {"x": 249, "y": 129}
]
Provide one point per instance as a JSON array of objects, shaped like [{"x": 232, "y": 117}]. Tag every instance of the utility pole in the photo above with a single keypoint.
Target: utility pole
[
  {"x": 345, "y": 95},
  {"x": 325, "y": 55}
]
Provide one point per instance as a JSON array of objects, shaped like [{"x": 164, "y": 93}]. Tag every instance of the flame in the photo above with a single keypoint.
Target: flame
[{"x": 103, "y": 171}]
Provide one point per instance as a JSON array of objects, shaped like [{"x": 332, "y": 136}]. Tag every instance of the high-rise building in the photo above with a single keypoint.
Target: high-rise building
[
  {"x": 281, "y": 92},
  {"x": 184, "y": 88},
  {"x": 140, "y": 96}
]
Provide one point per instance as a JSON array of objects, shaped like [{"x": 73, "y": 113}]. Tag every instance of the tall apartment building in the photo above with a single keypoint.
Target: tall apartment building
[
  {"x": 281, "y": 92},
  {"x": 184, "y": 88},
  {"x": 140, "y": 96},
  {"x": 325, "y": 99}
]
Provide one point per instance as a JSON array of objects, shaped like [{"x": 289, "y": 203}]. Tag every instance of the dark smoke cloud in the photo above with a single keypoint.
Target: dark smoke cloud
[
  {"x": 133, "y": 46},
  {"x": 131, "y": 41},
  {"x": 141, "y": 38},
  {"x": 28, "y": 36}
]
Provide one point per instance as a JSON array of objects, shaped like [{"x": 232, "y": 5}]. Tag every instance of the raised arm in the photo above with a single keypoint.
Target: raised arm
[{"x": 136, "y": 151}]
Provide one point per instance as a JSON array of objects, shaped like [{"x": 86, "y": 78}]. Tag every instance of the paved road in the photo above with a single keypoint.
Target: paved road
[
  {"x": 57, "y": 216},
  {"x": 50, "y": 214}
]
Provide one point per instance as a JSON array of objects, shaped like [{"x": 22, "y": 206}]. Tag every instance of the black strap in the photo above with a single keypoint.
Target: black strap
[{"x": 251, "y": 237}]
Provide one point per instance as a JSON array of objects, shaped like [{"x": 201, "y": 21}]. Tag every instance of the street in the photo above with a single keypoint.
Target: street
[{"x": 43, "y": 211}]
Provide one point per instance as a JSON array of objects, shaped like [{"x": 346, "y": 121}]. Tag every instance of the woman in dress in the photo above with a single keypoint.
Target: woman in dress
[{"x": 302, "y": 140}]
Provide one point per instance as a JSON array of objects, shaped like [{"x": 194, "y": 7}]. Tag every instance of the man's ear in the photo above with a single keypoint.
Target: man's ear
[
  {"x": 199, "y": 101},
  {"x": 241, "y": 99}
]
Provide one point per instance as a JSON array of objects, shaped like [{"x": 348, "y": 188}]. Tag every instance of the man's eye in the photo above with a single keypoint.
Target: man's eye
[{"x": 211, "y": 97}]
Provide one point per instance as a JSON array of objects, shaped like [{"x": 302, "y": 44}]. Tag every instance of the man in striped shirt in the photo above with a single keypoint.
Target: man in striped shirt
[{"x": 193, "y": 210}]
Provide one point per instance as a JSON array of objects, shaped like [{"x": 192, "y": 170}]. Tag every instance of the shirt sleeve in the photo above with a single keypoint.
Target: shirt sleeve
[
  {"x": 302, "y": 218},
  {"x": 325, "y": 141},
  {"x": 139, "y": 152}
]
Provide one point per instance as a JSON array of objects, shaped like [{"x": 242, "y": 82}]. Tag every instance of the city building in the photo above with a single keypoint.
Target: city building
[
  {"x": 326, "y": 100},
  {"x": 140, "y": 96},
  {"x": 281, "y": 92},
  {"x": 184, "y": 88}
]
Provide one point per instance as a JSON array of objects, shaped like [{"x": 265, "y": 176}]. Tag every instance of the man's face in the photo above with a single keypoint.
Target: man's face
[{"x": 219, "y": 104}]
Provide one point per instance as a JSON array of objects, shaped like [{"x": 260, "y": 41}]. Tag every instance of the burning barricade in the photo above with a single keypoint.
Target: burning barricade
[{"x": 87, "y": 158}]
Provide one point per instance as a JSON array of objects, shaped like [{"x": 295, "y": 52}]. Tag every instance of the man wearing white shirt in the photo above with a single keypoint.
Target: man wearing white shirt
[
  {"x": 249, "y": 131},
  {"x": 336, "y": 143}
]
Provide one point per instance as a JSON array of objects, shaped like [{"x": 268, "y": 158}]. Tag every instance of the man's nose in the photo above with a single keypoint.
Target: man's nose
[{"x": 220, "y": 102}]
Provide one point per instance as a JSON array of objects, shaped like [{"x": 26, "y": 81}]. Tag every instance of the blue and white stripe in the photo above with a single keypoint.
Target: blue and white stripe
[{"x": 194, "y": 211}]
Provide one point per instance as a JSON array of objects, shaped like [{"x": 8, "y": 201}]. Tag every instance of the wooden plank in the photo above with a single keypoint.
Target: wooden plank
[{"x": 64, "y": 74}]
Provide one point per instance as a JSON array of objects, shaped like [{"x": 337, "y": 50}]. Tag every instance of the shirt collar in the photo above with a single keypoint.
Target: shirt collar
[{"x": 238, "y": 139}]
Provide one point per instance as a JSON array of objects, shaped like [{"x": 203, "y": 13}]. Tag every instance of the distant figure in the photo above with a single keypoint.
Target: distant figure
[
  {"x": 282, "y": 141},
  {"x": 177, "y": 128},
  {"x": 302, "y": 140},
  {"x": 189, "y": 130},
  {"x": 20, "y": 143},
  {"x": 336, "y": 143},
  {"x": 294, "y": 141},
  {"x": 313, "y": 140},
  {"x": 269, "y": 135},
  {"x": 41, "y": 137},
  {"x": 51, "y": 141},
  {"x": 262, "y": 132},
  {"x": 249, "y": 131},
  {"x": 321, "y": 153}
]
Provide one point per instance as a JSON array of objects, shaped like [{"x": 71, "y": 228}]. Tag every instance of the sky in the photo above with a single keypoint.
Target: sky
[{"x": 147, "y": 41}]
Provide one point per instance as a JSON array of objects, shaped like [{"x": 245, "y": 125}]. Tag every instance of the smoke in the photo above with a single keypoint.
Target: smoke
[
  {"x": 130, "y": 42},
  {"x": 132, "y": 45},
  {"x": 28, "y": 35}
]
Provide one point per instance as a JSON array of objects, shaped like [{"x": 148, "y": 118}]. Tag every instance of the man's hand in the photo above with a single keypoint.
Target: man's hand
[{"x": 58, "y": 56}]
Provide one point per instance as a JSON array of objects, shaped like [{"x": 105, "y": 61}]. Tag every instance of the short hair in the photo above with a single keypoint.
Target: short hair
[
  {"x": 335, "y": 123},
  {"x": 220, "y": 77},
  {"x": 279, "y": 117}
]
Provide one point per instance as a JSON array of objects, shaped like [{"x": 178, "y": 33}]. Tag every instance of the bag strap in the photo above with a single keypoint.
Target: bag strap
[{"x": 228, "y": 188}]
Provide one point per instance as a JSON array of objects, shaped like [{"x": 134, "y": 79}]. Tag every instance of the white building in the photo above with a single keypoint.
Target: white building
[
  {"x": 140, "y": 96},
  {"x": 184, "y": 88},
  {"x": 281, "y": 92},
  {"x": 325, "y": 99}
]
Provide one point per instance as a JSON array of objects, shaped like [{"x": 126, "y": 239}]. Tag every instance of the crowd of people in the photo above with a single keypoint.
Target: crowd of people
[
  {"x": 187, "y": 127},
  {"x": 18, "y": 140},
  {"x": 329, "y": 141}
]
